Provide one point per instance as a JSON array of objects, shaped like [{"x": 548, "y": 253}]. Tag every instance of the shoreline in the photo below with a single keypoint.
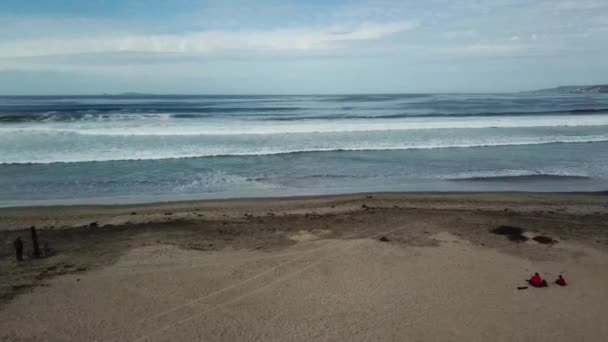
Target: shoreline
[
  {"x": 319, "y": 196},
  {"x": 70, "y": 216},
  {"x": 140, "y": 200}
]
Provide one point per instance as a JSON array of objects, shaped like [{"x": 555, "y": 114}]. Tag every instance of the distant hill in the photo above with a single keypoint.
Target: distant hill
[{"x": 589, "y": 89}]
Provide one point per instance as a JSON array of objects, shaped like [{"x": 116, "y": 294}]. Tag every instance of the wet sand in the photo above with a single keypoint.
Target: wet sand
[{"x": 426, "y": 267}]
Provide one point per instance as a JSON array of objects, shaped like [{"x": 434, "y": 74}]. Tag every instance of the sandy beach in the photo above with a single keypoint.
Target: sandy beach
[{"x": 362, "y": 267}]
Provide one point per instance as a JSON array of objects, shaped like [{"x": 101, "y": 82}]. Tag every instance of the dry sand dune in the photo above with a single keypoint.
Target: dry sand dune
[{"x": 440, "y": 276}]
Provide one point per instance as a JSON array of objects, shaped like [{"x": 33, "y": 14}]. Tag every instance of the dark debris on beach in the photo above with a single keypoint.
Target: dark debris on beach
[{"x": 513, "y": 233}]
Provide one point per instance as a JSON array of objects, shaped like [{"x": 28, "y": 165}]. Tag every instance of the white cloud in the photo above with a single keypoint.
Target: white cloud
[
  {"x": 515, "y": 38},
  {"x": 208, "y": 41}
]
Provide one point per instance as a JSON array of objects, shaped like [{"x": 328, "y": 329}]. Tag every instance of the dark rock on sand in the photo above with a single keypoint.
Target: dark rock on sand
[
  {"x": 514, "y": 234},
  {"x": 545, "y": 240}
]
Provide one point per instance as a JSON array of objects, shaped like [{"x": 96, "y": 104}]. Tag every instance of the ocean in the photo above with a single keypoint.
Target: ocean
[{"x": 149, "y": 148}]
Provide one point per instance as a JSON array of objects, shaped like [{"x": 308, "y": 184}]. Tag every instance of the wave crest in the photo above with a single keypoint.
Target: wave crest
[
  {"x": 73, "y": 158},
  {"x": 279, "y": 114}
]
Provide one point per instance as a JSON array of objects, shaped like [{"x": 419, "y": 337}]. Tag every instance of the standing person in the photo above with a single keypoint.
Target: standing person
[
  {"x": 35, "y": 245},
  {"x": 18, "y": 244}
]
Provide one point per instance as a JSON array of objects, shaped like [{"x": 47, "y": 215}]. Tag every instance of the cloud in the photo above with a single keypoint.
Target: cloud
[
  {"x": 208, "y": 42},
  {"x": 249, "y": 44}
]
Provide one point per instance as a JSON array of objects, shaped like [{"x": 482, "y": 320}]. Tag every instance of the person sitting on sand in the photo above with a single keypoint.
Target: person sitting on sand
[
  {"x": 537, "y": 281},
  {"x": 561, "y": 281}
]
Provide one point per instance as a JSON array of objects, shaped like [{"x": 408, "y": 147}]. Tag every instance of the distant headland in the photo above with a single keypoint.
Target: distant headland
[{"x": 587, "y": 89}]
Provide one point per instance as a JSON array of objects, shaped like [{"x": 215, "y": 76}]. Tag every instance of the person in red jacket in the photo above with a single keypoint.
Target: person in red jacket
[
  {"x": 561, "y": 281},
  {"x": 537, "y": 281}
]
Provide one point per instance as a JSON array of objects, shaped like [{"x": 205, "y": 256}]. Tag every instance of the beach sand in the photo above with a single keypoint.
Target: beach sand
[{"x": 364, "y": 267}]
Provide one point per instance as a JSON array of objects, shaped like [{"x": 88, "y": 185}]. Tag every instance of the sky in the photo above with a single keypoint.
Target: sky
[{"x": 299, "y": 47}]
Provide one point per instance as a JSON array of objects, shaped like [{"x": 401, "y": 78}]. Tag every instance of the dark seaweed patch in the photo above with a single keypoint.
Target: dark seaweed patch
[
  {"x": 514, "y": 234},
  {"x": 545, "y": 240}
]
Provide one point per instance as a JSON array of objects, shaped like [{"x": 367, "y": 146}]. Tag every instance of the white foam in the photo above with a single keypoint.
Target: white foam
[
  {"x": 515, "y": 173},
  {"x": 158, "y": 153},
  {"x": 167, "y": 127}
]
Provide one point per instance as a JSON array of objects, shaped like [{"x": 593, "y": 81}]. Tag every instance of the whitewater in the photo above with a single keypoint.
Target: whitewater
[{"x": 113, "y": 147}]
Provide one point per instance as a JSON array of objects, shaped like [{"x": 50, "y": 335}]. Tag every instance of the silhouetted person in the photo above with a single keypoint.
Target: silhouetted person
[
  {"x": 18, "y": 244},
  {"x": 35, "y": 245},
  {"x": 561, "y": 281}
]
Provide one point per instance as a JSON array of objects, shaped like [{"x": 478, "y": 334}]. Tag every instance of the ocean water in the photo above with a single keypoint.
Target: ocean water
[{"x": 140, "y": 148}]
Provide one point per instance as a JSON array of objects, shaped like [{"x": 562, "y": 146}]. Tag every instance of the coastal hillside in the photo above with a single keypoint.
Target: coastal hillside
[{"x": 588, "y": 89}]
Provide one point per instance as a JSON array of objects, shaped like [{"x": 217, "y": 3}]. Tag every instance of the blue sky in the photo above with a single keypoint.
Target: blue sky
[{"x": 198, "y": 46}]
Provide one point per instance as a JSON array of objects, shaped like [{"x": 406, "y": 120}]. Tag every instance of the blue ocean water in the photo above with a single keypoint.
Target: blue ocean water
[{"x": 138, "y": 148}]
